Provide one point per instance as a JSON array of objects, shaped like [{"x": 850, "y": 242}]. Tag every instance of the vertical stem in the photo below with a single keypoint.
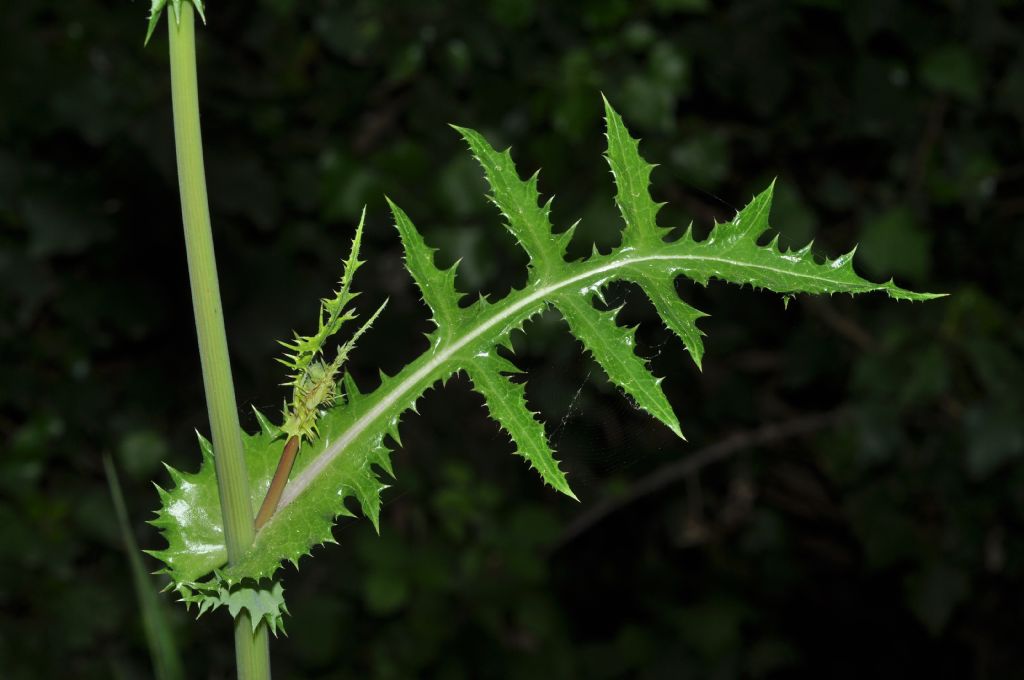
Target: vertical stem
[{"x": 252, "y": 653}]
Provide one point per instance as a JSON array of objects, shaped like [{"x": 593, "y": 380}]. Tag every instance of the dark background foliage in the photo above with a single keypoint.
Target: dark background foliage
[{"x": 883, "y": 541}]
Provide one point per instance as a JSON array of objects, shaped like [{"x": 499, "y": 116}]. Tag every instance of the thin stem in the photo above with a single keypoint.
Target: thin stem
[
  {"x": 252, "y": 653},
  {"x": 277, "y": 484}
]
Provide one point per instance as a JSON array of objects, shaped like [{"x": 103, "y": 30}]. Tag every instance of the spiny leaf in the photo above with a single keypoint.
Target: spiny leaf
[
  {"x": 263, "y": 602},
  {"x": 680, "y": 317},
  {"x": 612, "y": 346},
  {"x": 731, "y": 253},
  {"x": 351, "y": 451},
  {"x": 632, "y": 178},
  {"x": 314, "y": 381},
  {"x": 436, "y": 285},
  {"x": 334, "y": 313},
  {"x": 506, "y": 402},
  {"x": 519, "y": 203},
  {"x": 190, "y": 516}
]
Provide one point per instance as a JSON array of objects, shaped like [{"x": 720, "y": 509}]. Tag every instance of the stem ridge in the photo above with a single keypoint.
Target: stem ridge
[{"x": 252, "y": 651}]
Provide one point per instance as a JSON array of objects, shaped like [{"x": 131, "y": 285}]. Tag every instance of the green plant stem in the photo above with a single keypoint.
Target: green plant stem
[{"x": 252, "y": 653}]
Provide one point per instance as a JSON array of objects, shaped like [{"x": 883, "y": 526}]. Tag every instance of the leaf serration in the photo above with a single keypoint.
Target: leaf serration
[{"x": 342, "y": 462}]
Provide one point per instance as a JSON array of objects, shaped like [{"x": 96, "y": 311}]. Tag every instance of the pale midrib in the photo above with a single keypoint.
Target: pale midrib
[{"x": 313, "y": 470}]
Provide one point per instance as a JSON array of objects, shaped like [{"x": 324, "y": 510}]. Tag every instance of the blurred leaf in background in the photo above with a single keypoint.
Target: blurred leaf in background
[{"x": 163, "y": 650}]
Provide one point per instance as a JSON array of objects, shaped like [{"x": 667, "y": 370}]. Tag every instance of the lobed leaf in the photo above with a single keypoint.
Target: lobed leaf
[
  {"x": 263, "y": 602},
  {"x": 632, "y": 177},
  {"x": 612, "y": 346},
  {"x": 679, "y": 316},
  {"x": 519, "y": 202},
  {"x": 351, "y": 454},
  {"x": 437, "y": 286},
  {"x": 506, "y": 402}
]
